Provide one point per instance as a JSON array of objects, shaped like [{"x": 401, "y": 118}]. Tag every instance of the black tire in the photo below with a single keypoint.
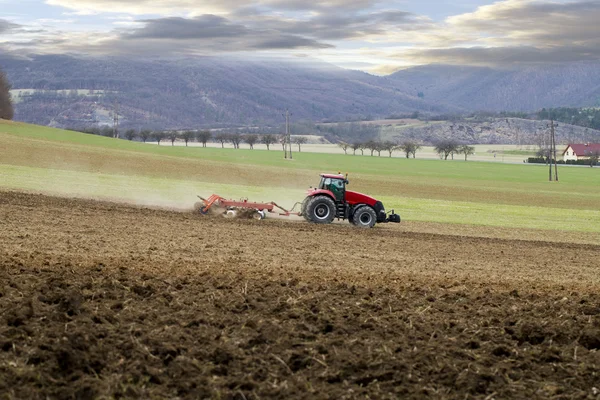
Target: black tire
[
  {"x": 364, "y": 217},
  {"x": 304, "y": 204},
  {"x": 320, "y": 210},
  {"x": 351, "y": 217}
]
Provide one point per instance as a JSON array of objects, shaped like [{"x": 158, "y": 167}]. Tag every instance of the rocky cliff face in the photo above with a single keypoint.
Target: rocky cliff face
[{"x": 496, "y": 131}]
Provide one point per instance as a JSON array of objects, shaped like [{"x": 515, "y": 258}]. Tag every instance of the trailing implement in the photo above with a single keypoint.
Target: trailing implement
[{"x": 322, "y": 205}]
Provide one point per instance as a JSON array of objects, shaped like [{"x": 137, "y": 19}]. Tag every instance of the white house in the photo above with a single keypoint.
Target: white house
[{"x": 580, "y": 151}]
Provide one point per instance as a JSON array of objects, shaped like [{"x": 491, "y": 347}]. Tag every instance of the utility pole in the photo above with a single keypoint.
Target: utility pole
[
  {"x": 116, "y": 120},
  {"x": 555, "y": 160},
  {"x": 287, "y": 138},
  {"x": 552, "y": 154}
]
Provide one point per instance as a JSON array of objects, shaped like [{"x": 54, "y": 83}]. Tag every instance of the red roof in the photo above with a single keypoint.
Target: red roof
[{"x": 584, "y": 149}]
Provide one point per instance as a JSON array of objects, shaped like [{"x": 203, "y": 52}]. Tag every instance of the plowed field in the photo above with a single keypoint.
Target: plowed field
[{"x": 100, "y": 300}]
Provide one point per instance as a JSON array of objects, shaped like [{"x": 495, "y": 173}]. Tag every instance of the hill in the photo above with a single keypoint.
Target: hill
[
  {"x": 64, "y": 91},
  {"x": 525, "y": 88},
  {"x": 490, "y": 131}
]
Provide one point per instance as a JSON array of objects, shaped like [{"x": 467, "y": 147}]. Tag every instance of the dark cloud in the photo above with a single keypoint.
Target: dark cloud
[
  {"x": 263, "y": 32},
  {"x": 349, "y": 26},
  {"x": 204, "y": 27},
  {"x": 535, "y": 23},
  {"x": 516, "y": 31},
  {"x": 491, "y": 56},
  {"x": 207, "y": 34},
  {"x": 6, "y": 26},
  {"x": 505, "y": 32}
]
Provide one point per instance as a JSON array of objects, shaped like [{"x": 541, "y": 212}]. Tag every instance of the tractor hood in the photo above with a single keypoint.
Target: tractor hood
[
  {"x": 352, "y": 198},
  {"x": 359, "y": 198}
]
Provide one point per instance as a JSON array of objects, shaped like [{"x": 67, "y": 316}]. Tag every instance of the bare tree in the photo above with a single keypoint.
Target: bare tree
[
  {"x": 251, "y": 139},
  {"x": 371, "y": 145},
  {"x": 158, "y": 136},
  {"x": 222, "y": 138},
  {"x": 203, "y": 137},
  {"x": 355, "y": 146},
  {"x": 466, "y": 150},
  {"x": 390, "y": 147},
  {"x": 172, "y": 136},
  {"x": 268, "y": 140},
  {"x": 362, "y": 147},
  {"x": 6, "y": 105},
  {"x": 235, "y": 139},
  {"x": 344, "y": 146},
  {"x": 187, "y": 136},
  {"x": 594, "y": 156},
  {"x": 409, "y": 147},
  {"x": 145, "y": 135},
  {"x": 129, "y": 134},
  {"x": 446, "y": 147},
  {"x": 300, "y": 140}
]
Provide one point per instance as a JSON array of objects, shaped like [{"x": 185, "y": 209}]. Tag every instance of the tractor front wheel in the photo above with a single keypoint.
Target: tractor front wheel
[
  {"x": 364, "y": 217},
  {"x": 320, "y": 210}
]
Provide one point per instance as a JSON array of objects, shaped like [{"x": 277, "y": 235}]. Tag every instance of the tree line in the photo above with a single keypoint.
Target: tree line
[
  {"x": 586, "y": 117},
  {"x": 203, "y": 137},
  {"x": 444, "y": 148}
]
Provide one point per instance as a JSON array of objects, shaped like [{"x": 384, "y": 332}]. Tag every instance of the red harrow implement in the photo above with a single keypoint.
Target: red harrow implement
[{"x": 231, "y": 208}]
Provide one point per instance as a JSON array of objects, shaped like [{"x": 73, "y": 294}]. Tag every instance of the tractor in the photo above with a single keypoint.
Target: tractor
[
  {"x": 322, "y": 205},
  {"x": 331, "y": 200}
]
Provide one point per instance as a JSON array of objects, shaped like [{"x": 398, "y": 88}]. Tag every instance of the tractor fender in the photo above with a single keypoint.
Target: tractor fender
[{"x": 320, "y": 192}]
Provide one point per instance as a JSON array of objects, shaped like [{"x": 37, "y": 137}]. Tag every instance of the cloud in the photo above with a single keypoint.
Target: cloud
[
  {"x": 204, "y": 35},
  {"x": 506, "y": 32},
  {"x": 521, "y": 31},
  {"x": 6, "y": 26},
  {"x": 210, "y": 34},
  {"x": 351, "y": 25},
  {"x": 498, "y": 56},
  {"x": 152, "y": 7}
]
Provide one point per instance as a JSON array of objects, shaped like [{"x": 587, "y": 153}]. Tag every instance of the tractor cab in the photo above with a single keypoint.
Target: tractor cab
[{"x": 336, "y": 184}]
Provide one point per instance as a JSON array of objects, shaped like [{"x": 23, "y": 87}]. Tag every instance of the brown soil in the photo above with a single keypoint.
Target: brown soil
[{"x": 100, "y": 300}]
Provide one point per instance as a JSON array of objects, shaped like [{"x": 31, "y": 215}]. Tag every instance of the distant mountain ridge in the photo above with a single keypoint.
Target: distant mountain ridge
[
  {"x": 527, "y": 88},
  {"x": 203, "y": 92}
]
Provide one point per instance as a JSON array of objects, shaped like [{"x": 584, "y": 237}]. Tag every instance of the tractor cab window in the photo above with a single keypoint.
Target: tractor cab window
[
  {"x": 325, "y": 182},
  {"x": 332, "y": 184},
  {"x": 338, "y": 183},
  {"x": 336, "y": 186}
]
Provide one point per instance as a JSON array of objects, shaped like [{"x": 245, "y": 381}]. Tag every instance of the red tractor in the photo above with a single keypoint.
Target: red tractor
[{"x": 331, "y": 200}]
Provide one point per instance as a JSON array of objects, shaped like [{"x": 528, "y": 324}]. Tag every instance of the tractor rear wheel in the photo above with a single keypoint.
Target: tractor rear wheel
[
  {"x": 303, "y": 206},
  {"x": 320, "y": 210},
  {"x": 364, "y": 217}
]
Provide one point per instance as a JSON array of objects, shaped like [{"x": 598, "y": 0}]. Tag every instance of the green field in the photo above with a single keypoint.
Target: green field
[{"x": 477, "y": 193}]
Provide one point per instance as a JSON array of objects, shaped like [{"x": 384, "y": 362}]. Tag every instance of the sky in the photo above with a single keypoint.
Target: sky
[{"x": 370, "y": 35}]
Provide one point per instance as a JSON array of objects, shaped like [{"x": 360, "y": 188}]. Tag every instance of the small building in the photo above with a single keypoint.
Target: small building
[{"x": 580, "y": 151}]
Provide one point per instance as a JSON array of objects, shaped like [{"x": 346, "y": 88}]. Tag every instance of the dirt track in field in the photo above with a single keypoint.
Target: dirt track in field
[{"x": 100, "y": 300}]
